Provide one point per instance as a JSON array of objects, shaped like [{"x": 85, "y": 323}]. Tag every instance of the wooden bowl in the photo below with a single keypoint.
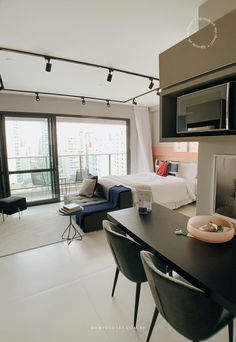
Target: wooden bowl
[{"x": 194, "y": 223}]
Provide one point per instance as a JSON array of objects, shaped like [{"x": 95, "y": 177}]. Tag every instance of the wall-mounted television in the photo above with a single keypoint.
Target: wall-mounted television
[{"x": 209, "y": 109}]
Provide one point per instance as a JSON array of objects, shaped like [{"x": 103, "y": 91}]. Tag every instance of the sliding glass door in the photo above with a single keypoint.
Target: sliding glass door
[
  {"x": 90, "y": 146},
  {"x": 31, "y": 158}
]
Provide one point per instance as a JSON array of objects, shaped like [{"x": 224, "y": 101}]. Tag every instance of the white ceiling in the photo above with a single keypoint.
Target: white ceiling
[{"x": 124, "y": 34}]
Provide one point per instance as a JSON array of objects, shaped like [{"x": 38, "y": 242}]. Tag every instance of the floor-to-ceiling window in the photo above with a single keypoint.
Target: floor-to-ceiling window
[
  {"x": 30, "y": 159},
  {"x": 3, "y": 190},
  {"x": 43, "y": 157}
]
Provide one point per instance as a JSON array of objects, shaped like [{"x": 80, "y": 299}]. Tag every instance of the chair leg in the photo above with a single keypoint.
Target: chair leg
[
  {"x": 137, "y": 295},
  {"x": 154, "y": 317},
  {"x": 231, "y": 331},
  {"x": 115, "y": 281}
]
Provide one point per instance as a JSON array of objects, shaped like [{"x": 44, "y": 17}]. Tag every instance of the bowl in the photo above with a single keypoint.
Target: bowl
[{"x": 195, "y": 223}]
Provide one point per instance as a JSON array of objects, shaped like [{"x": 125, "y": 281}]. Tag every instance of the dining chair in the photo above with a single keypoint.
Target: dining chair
[
  {"x": 126, "y": 253},
  {"x": 189, "y": 310}
]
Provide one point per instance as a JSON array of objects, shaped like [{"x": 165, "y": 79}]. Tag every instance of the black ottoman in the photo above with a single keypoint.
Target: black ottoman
[{"x": 12, "y": 205}]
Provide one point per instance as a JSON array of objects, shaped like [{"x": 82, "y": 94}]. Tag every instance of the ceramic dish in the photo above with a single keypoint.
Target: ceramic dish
[{"x": 196, "y": 223}]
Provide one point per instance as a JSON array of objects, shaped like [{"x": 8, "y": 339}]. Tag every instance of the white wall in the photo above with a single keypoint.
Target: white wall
[
  {"x": 155, "y": 130},
  {"x": 56, "y": 105},
  {"x": 212, "y": 9},
  {"x": 205, "y": 171}
]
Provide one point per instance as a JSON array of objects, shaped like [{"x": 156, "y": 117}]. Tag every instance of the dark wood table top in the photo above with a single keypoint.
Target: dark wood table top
[{"x": 211, "y": 267}]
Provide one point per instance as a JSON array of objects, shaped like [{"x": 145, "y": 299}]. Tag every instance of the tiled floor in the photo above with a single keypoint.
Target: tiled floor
[{"x": 61, "y": 293}]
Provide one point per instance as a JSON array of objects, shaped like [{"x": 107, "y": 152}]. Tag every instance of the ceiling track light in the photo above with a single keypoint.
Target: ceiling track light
[
  {"x": 83, "y": 101},
  {"x": 151, "y": 83},
  {"x": 134, "y": 102},
  {"x": 158, "y": 91},
  {"x": 1, "y": 83},
  {"x": 108, "y": 103},
  {"x": 109, "y": 76},
  {"x": 48, "y": 67},
  {"x": 37, "y": 98}
]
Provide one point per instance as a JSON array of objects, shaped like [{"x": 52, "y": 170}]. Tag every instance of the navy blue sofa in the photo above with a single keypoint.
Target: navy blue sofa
[{"x": 94, "y": 213}]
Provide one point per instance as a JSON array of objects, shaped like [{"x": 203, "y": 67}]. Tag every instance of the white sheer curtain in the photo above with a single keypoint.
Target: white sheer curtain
[{"x": 144, "y": 143}]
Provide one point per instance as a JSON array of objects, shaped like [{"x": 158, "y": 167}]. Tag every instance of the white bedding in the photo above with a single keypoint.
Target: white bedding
[{"x": 170, "y": 191}]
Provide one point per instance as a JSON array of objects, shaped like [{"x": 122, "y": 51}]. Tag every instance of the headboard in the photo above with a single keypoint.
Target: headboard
[{"x": 179, "y": 168}]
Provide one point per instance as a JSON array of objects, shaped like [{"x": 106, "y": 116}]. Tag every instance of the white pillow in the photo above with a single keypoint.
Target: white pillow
[
  {"x": 88, "y": 187},
  {"x": 188, "y": 170}
]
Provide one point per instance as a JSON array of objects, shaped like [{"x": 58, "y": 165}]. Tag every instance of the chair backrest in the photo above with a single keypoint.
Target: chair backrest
[
  {"x": 38, "y": 179},
  {"x": 126, "y": 253},
  {"x": 187, "y": 309},
  {"x": 78, "y": 176}
]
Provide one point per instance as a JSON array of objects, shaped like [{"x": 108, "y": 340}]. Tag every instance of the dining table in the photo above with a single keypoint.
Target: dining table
[{"x": 208, "y": 266}]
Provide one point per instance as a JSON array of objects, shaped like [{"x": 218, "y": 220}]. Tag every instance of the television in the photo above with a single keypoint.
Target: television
[{"x": 209, "y": 109}]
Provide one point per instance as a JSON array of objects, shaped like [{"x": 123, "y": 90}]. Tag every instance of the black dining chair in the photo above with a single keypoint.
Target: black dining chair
[
  {"x": 186, "y": 308},
  {"x": 126, "y": 253}
]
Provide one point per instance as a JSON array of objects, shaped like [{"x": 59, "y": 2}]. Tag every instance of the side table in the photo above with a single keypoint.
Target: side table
[{"x": 70, "y": 233}]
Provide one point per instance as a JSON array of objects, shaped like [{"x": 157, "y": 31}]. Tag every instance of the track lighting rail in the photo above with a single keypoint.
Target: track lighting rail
[
  {"x": 48, "y": 68},
  {"x": 29, "y": 53},
  {"x": 60, "y": 95},
  {"x": 83, "y": 98}
]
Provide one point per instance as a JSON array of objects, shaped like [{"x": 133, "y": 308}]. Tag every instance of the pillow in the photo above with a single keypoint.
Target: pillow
[
  {"x": 189, "y": 170},
  {"x": 174, "y": 168},
  {"x": 163, "y": 169},
  {"x": 90, "y": 176},
  {"x": 88, "y": 187},
  {"x": 157, "y": 162}
]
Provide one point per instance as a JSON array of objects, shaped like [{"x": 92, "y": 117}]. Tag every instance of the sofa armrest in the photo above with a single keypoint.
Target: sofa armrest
[{"x": 125, "y": 200}]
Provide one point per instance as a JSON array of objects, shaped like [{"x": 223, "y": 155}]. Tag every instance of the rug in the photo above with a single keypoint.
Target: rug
[{"x": 39, "y": 226}]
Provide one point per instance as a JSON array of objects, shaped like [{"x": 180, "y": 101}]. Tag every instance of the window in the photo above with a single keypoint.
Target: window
[{"x": 91, "y": 146}]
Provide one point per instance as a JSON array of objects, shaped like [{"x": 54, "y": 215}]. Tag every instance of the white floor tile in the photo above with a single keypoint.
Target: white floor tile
[
  {"x": 58, "y": 315},
  {"x": 62, "y": 293}
]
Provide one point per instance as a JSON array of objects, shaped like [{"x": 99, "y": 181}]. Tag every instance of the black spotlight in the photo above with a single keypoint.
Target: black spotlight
[
  {"x": 151, "y": 83},
  {"x": 48, "y": 65},
  {"x": 83, "y": 101},
  {"x": 109, "y": 76},
  {"x": 134, "y": 102},
  {"x": 37, "y": 98},
  {"x": 108, "y": 103},
  {"x": 1, "y": 84},
  {"x": 158, "y": 91}
]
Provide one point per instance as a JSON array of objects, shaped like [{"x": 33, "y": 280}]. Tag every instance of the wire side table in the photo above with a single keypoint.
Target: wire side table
[{"x": 70, "y": 233}]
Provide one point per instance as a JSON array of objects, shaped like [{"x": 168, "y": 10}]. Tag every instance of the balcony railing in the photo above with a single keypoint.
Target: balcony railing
[{"x": 72, "y": 170}]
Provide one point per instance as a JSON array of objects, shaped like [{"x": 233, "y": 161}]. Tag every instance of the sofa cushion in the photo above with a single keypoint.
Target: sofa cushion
[
  {"x": 83, "y": 200},
  {"x": 88, "y": 187}
]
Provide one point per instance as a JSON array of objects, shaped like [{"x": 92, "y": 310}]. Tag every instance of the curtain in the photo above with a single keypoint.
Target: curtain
[{"x": 144, "y": 144}]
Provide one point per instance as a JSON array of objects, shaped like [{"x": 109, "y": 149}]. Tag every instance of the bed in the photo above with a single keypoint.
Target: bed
[{"x": 170, "y": 191}]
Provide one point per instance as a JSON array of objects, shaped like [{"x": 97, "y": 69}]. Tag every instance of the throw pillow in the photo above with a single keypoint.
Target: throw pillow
[
  {"x": 163, "y": 169},
  {"x": 90, "y": 176},
  {"x": 174, "y": 168},
  {"x": 88, "y": 187}
]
